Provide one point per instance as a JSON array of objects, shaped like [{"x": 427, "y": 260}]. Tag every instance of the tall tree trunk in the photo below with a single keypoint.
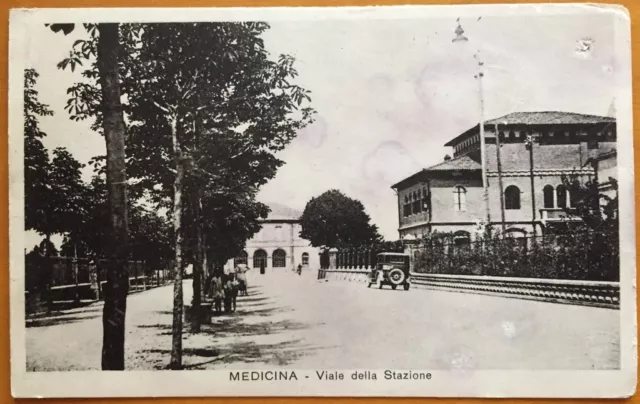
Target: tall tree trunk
[
  {"x": 176, "y": 343},
  {"x": 117, "y": 286},
  {"x": 198, "y": 268},
  {"x": 198, "y": 264},
  {"x": 48, "y": 271}
]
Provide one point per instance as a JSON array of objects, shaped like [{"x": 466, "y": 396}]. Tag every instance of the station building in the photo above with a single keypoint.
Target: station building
[
  {"x": 449, "y": 196},
  {"x": 278, "y": 244}
]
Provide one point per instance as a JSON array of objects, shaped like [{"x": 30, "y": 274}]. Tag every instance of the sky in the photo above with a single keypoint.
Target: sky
[{"x": 389, "y": 94}]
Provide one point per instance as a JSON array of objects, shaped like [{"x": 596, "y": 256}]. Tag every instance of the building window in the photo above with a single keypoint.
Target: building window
[
  {"x": 241, "y": 259},
  {"x": 425, "y": 200},
  {"x": 548, "y": 196},
  {"x": 461, "y": 238},
  {"x": 305, "y": 259},
  {"x": 460, "y": 199},
  {"x": 406, "y": 208},
  {"x": 417, "y": 203},
  {"x": 512, "y": 136},
  {"x": 279, "y": 258},
  {"x": 561, "y": 196},
  {"x": 512, "y": 197},
  {"x": 260, "y": 259}
]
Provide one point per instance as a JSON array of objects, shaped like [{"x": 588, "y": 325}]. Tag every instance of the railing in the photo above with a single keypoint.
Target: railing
[
  {"x": 585, "y": 293},
  {"x": 556, "y": 214}
]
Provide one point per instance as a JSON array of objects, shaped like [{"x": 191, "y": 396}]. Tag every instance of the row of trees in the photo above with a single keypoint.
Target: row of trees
[{"x": 192, "y": 115}]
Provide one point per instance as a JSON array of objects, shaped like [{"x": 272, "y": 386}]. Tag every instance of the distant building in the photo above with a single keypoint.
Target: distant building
[
  {"x": 606, "y": 172},
  {"x": 278, "y": 244},
  {"x": 448, "y": 197}
]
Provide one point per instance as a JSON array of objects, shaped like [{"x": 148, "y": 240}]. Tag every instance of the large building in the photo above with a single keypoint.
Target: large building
[
  {"x": 449, "y": 196},
  {"x": 278, "y": 245}
]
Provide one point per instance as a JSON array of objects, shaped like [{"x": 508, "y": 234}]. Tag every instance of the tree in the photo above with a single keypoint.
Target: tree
[
  {"x": 207, "y": 109},
  {"x": 335, "y": 220},
  {"x": 52, "y": 187},
  {"x": 36, "y": 158},
  {"x": 221, "y": 109},
  {"x": 600, "y": 222},
  {"x": 107, "y": 52}
]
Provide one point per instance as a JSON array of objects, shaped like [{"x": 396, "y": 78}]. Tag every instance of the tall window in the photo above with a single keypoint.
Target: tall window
[
  {"x": 305, "y": 259},
  {"x": 561, "y": 193},
  {"x": 417, "y": 203},
  {"x": 279, "y": 258},
  {"x": 548, "y": 196},
  {"x": 425, "y": 200},
  {"x": 512, "y": 197},
  {"x": 241, "y": 259},
  {"x": 460, "y": 199},
  {"x": 406, "y": 207},
  {"x": 260, "y": 259}
]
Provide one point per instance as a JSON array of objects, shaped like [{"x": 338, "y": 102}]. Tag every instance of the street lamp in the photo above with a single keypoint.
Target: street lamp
[{"x": 460, "y": 38}]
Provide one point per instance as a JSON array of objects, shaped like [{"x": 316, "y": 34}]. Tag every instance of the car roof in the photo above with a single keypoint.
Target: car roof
[{"x": 395, "y": 254}]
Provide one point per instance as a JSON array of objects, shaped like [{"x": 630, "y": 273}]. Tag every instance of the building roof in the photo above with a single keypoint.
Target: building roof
[
  {"x": 461, "y": 163},
  {"x": 282, "y": 212},
  {"x": 465, "y": 162},
  {"x": 539, "y": 118}
]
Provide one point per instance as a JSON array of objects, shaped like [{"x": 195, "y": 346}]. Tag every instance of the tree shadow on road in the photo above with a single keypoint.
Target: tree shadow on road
[
  {"x": 261, "y": 334},
  {"x": 58, "y": 320}
]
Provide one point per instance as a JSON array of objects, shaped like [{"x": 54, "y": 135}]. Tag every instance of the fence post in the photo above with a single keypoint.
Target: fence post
[
  {"x": 74, "y": 266},
  {"x": 144, "y": 274},
  {"x": 333, "y": 257}
]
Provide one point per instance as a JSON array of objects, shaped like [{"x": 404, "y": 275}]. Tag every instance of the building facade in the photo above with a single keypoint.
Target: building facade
[
  {"x": 530, "y": 151},
  {"x": 278, "y": 245}
]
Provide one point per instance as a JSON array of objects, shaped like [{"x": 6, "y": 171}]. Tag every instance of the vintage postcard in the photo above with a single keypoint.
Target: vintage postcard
[{"x": 377, "y": 201}]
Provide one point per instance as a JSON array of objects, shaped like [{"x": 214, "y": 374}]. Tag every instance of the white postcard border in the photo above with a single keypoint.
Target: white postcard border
[{"x": 481, "y": 383}]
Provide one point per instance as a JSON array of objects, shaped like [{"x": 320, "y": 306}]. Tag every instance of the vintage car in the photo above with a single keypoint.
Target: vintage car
[{"x": 391, "y": 269}]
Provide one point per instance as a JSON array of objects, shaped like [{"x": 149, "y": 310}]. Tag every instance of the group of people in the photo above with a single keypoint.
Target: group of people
[{"x": 224, "y": 288}]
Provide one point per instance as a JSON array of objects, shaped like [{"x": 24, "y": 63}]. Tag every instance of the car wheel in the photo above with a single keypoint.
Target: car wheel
[{"x": 396, "y": 276}]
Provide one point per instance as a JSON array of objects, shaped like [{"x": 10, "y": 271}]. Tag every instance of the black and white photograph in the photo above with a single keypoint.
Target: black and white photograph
[{"x": 377, "y": 201}]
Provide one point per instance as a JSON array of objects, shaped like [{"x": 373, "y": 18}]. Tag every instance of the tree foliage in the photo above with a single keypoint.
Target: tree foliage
[
  {"x": 335, "y": 220},
  {"x": 36, "y": 158}
]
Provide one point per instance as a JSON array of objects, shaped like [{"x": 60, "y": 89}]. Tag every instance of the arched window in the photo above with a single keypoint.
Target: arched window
[
  {"x": 459, "y": 199},
  {"x": 512, "y": 197},
  {"x": 548, "y": 196},
  {"x": 260, "y": 259},
  {"x": 561, "y": 196},
  {"x": 305, "y": 259},
  {"x": 241, "y": 259},
  {"x": 279, "y": 258},
  {"x": 461, "y": 238}
]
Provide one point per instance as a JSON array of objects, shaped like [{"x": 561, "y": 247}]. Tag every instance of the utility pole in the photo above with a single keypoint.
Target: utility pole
[
  {"x": 529, "y": 144},
  {"x": 498, "y": 145},
  {"x": 460, "y": 38},
  {"x": 483, "y": 158}
]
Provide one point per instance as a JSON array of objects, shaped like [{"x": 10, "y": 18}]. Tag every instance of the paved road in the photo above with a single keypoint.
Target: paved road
[{"x": 288, "y": 320}]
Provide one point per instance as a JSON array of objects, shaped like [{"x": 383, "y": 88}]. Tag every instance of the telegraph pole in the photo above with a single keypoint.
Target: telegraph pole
[
  {"x": 529, "y": 144},
  {"x": 483, "y": 158},
  {"x": 498, "y": 145}
]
